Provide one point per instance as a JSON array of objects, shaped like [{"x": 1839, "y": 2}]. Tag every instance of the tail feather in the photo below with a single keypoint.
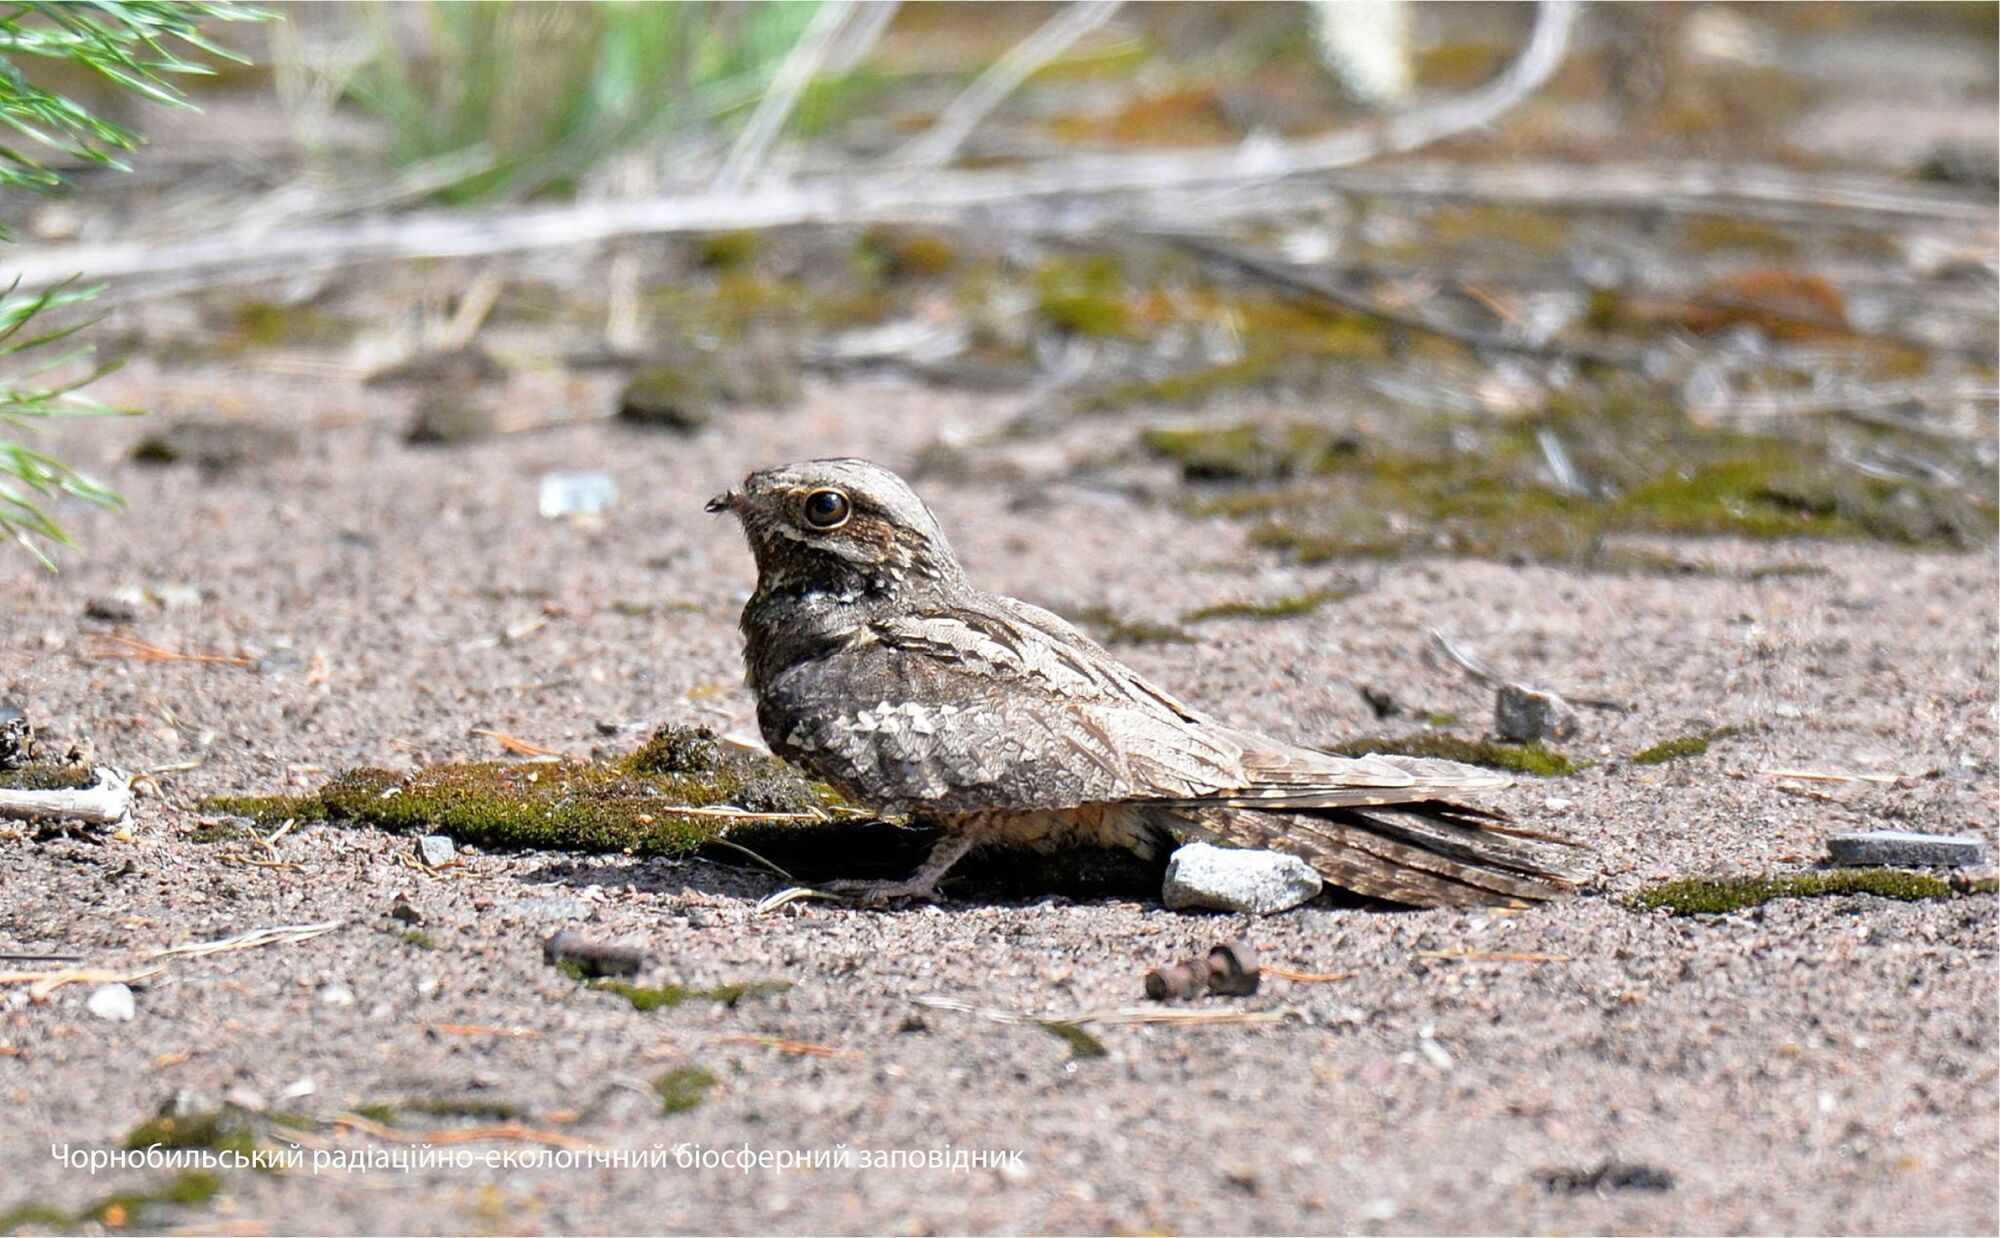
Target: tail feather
[{"x": 1430, "y": 853}]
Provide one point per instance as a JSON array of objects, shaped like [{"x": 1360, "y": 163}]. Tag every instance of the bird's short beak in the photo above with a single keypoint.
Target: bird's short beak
[{"x": 724, "y": 502}]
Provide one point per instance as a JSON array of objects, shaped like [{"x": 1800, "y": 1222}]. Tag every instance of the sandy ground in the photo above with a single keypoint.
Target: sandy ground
[{"x": 1824, "y": 1066}]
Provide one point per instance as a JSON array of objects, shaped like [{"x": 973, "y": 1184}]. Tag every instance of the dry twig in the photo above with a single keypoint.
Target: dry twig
[
  {"x": 1114, "y": 1017},
  {"x": 511, "y": 1132},
  {"x": 937, "y": 145},
  {"x": 279, "y": 935},
  {"x": 140, "y": 651},
  {"x": 476, "y": 1029},
  {"x": 107, "y": 803},
  {"x": 225, "y": 256},
  {"x": 1312, "y": 288},
  {"x": 47, "y": 982},
  {"x": 1827, "y": 775},
  {"x": 1307, "y": 977},
  {"x": 515, "y": 744},
  {"x": 803, "y": 1048}
]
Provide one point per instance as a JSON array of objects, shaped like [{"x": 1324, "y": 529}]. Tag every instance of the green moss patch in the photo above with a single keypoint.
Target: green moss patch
[
  {"x": 1535, "y": 758},
  {"x": 1113, "y": 629},
  {"x": 1081, "y": 1043},
  {"x": 462, "y": 1108},
  {"x": 1681, "y": 748},
  {"x": 1701, "y": 896},
  {"x": 683, "y": 1088},
  {"x": 122, "y": 1209},
  {"x": 1248, "y": 451},
  {"x": 47, "y": 778},
  {"x": 897, "y": 253},
  {"x": 263, "y": 325},
  {"x": 666, "y": 997},
  {"x": 1320, "y": 494},
  {"x": 1278, "y": 608},
  {"x": 620, "y": 805},
  {"x": 218, "y": 1130},
  {"x": 1088, "y": 296}
]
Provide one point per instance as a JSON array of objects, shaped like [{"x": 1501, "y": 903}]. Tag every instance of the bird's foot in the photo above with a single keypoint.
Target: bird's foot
[{"x": 883, "y": 893}]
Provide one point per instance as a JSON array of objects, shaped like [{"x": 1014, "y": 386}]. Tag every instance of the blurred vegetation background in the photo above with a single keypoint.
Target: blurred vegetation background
[{"x": 1529, "y": 280}]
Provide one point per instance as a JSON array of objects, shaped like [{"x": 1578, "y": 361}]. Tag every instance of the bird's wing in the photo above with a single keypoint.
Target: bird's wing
[
  {"x": 1269, "y": 773},
  {"x": 995, "y": 704},
  {"x": 980, "y": 708},
  {"x": 1279, "y": 776}
]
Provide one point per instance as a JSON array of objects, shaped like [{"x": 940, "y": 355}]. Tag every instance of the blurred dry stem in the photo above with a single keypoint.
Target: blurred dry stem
[{"x": 853, "y": 198}]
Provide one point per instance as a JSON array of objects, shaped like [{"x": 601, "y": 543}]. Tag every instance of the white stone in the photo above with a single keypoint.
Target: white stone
[
  {"x": 436, "y": 851},
  {"x": 1259, "y": 883},
  {"x": 114, "y": 1002}
]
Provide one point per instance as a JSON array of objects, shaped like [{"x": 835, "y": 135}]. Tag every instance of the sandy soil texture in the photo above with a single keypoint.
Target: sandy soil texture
[{"x": 1807, "y": 1066}]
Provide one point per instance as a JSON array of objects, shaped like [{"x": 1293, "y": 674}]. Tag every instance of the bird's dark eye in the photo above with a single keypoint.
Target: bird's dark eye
[{"x": 826, "y": 509}]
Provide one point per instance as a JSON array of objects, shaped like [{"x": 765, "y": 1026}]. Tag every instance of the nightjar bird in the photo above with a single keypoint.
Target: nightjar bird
[{"x": 878, "y": 667}]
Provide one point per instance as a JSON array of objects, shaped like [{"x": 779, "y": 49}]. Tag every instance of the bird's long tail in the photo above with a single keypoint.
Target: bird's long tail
[{"x": 1427, "y": 853}]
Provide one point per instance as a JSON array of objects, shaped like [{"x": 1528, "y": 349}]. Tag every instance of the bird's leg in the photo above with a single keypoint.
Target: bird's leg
[{"x": 922, "y": 884}]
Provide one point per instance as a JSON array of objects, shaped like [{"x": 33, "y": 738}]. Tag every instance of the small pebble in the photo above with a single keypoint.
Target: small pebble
[
  {"x": 114, "y": 1002},
  {"x": 336, "y": 995},
  {"x": 246, "y": 1098},
  {"x": 177, "y": 595},
  {"x": 575, "y": 494},
  {"x": 436, "y": 851},
  {"x": 1525, "y": 715},
  {"x": 1258, "y": 883},
  {"x": 447, "y": 418},
  {"x": 1902, "y": 848},
  {"x": 111, "y": 609},
  {"x": 594, "y": 958},
  {"x": 284, "y": 660}
]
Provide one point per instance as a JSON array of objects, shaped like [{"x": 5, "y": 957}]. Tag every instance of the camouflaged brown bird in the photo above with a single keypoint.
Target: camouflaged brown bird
[{"x": 880, "y": 668}]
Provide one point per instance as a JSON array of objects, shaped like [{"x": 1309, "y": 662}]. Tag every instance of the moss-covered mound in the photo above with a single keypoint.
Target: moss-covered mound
[
  {"x": 1319, "y": 494},
  {"x": 48, "y": 777},
  {"x": 678, "y": 792},
  {"x": 681, "y": 793},
  {"x": 1705, "y": 896}
]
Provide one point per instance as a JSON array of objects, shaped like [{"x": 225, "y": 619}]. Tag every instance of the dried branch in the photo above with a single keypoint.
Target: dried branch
[
  {"x": 107, "y": 803},
  {"x": 906, "y": 194},
  {"x": 939, "y": 144},
  {"x": 46, "y": 982},
  {"x": 510, "y": 1132},
  {"x": 283, "y": 934},
  {"x": 141, "y": 651},
  {"x": 1115, "y": 1017},
  {"x": 1760, "y": 190},
  {"x": 1304, "y": 284}
]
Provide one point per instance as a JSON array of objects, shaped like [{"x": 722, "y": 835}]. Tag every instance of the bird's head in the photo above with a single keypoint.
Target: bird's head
[{"x": 838, "y": 527}]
